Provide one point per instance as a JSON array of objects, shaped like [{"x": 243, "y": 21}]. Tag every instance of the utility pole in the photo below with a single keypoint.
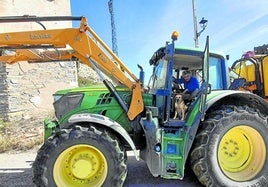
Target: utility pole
[
  {"x": 114, "y": 40},
  {"x": 195, "y": 24},
  {"x": 203, "y": 24}
]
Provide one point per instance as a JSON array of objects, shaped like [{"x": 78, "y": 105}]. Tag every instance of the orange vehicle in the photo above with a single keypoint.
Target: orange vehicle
[{"x": 252, "y": 71}]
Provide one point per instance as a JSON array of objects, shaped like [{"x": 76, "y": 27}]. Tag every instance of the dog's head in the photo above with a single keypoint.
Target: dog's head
[{"x": 178, "y": 98}]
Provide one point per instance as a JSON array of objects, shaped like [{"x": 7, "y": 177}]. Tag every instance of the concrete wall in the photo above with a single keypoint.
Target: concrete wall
[{"x": 26, "y": 89}]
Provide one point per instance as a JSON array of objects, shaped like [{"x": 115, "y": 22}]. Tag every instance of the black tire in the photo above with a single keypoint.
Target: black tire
[
  {"x": 99, "y": 156},
  {"x": 231, "y": 148}
]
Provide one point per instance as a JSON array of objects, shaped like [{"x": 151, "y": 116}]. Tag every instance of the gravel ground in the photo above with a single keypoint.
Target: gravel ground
[{"x": 15, "y": 171}]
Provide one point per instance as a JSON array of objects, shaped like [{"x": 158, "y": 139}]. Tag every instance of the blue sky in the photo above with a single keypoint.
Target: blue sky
[{"x": 142, "y": 26}]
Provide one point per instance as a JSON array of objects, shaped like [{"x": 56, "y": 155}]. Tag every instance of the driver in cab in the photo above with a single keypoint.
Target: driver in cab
[{"x": 191, "y": 85}]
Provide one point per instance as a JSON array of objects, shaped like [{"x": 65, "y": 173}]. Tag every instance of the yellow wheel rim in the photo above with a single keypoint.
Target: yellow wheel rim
[
  {"x": 80, "y": 165},
  {"x": 242, "y": 153}
]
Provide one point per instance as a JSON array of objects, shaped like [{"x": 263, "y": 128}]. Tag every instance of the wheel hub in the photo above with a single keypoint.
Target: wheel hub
[
  {"x": 83, "y": 166},
  {"x": 241, "y": 153},
  {"x": 80, "y": 165},
  {"x": 236, "y": 151}
]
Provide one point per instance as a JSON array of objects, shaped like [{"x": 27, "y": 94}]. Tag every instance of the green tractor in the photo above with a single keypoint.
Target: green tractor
[{"x": 224, "y": 134}]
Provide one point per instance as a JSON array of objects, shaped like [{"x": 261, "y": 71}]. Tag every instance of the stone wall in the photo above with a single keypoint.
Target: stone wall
[
  {"x": 3, "y": 92},
  {"x": 26, "y": 89},
  {"x": 30, "y": 87}
]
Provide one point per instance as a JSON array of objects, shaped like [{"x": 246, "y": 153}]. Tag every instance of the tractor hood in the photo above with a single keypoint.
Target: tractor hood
[{"x": 94, "y": 100}]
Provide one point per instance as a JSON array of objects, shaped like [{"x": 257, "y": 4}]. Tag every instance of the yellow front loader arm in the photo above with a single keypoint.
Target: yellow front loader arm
[{"x": 72, "y": 43}]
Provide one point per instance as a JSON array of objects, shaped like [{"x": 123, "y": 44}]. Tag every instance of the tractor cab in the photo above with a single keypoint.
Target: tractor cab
[{"x": 169, "y": 64}]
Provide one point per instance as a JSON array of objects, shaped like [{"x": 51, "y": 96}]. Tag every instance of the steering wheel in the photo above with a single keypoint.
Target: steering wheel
[{"x": 177, "y": 88}]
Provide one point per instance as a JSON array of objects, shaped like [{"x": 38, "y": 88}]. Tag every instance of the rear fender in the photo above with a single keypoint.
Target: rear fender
[
  {"x": 238, "y": 98},
  {"x": 107, "y": 122},
  {"x": 225, "y": 97}
]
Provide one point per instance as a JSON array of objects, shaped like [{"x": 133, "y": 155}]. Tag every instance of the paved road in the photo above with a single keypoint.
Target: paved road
[{"x": 15, "y": 171}]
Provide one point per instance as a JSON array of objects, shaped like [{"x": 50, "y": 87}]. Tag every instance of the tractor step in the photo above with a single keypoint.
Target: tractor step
[{"x": 172, "y": 153}]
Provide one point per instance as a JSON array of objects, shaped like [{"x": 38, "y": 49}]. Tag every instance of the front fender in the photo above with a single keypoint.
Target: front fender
[{"x": 107, "y": 122}]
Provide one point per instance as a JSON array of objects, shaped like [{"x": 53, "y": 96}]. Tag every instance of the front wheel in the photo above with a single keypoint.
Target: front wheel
[
  {"x": 231, "y": 148},
  {"x": 80, "y": 157}
]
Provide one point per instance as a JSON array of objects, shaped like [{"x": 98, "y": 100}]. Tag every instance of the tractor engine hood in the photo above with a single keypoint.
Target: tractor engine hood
[{"x": 94, "y": 99}]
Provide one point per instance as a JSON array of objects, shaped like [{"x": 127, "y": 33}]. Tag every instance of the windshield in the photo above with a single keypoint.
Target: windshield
[{"x": 159, "y": 76}]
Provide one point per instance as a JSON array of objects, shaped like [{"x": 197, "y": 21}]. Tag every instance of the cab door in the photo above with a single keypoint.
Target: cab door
[{"x": 205, "y": 86}]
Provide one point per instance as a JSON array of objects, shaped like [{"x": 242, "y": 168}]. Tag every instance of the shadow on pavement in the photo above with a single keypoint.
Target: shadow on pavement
[
  {"x": 15, "y": 175},
  {"x": 140, "y": 176}
]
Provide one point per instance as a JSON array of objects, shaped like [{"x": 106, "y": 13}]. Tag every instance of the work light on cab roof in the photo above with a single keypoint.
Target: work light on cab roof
[{"x": 175, "y": 35}]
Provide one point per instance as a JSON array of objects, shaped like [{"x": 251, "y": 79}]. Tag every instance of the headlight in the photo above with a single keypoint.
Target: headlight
[
  {"x": 56, "y": 97},
  {"x": 65, "y": 103}
]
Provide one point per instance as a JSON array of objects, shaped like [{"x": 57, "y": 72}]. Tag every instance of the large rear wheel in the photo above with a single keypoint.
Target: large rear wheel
[
  {"x": 80, "y": 157},
  {"x": 231, "y": 148}
]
